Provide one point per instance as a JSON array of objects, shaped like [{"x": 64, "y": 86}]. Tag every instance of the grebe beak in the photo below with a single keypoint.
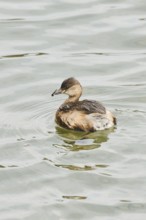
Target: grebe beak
[{"x": 57, "y": 92}]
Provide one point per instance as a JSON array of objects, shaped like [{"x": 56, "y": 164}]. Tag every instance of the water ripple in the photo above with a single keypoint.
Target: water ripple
[{"x": 23, "y": 55}]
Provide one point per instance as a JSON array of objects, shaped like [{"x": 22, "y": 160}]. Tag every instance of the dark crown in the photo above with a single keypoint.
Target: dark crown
[{"x": 69, "y": 83}]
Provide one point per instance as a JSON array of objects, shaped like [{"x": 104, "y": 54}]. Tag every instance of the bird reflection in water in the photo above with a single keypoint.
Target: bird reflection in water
[{"x": 75, "y": 141}]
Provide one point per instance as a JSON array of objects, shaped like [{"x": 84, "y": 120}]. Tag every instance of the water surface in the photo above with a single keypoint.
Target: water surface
[{"x": 50, "y": 173}]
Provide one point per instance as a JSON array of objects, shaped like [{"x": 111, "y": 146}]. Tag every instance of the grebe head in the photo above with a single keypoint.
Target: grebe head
[{"x": 71, "y": 87}]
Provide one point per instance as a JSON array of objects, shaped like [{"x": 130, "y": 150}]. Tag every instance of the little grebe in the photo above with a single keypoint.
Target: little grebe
[{"x": 86, "y": 115}]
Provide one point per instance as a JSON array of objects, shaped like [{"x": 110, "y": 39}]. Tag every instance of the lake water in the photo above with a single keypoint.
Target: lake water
[{"x": 50, "y": 173}]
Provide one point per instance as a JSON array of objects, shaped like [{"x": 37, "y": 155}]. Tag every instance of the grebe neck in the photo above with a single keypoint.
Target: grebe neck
[
  {"x": 72, "y": 99},
  {"x": 74, "y": 93}
]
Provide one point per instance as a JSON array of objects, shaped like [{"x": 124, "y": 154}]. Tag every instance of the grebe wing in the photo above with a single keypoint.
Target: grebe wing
[
  {"x": 85, "y": 106},
  {"x": 90, "y": 106}
]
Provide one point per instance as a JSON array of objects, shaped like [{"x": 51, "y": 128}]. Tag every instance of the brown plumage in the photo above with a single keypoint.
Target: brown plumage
[{"x": 86, "y": 115}]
